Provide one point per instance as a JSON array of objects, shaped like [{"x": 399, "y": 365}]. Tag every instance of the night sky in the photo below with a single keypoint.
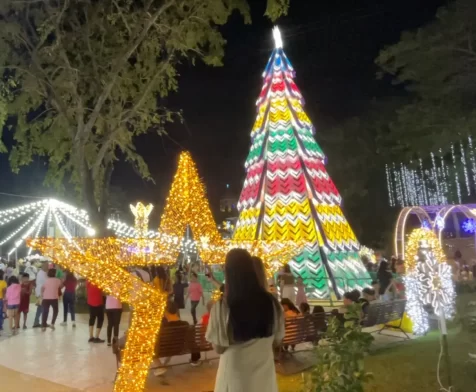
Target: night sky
[{"x": 332, "y": 46}]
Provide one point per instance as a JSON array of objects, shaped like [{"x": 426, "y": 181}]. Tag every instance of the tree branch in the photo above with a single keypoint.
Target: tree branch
[{"x": 122, "y": 60}]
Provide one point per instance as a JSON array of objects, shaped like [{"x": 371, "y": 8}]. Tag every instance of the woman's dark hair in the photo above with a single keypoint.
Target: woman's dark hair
[
  {"x": 70, "y": 277},
  {"x": 289, "y": 304},
  {"x": 304, "y": 308},
  {"x": 51, "y": 273},
  {"x": 178, "y": 276},
  {"x": 25, "y": 275},
  {"x": 1, "y": 274},
  {"x": 252, "y": 308},
  {"x": 260, "y": 272},
  {"x": 161, "y": 274},
  {"x": 318, "y": 309},
  {"x": 287, "y": 268},
  {"x": 194, "y": 274},
  {"x": 12, "y": 280},
  {"x": 368, "y": 291},
  {"x": 383, "y": 267}
]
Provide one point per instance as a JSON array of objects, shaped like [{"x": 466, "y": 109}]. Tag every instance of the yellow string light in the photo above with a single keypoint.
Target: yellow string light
[
  {"x": 187, "y": 204},
  {"x": 413, "y": 244},
  {"x": 97, "y": 261},
  {"x": 141, "y": 214}
]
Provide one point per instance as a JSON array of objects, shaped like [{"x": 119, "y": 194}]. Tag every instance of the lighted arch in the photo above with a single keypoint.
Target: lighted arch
[
  {"x": 467, "y": 209},
  {"x": 399, "y": 239}
]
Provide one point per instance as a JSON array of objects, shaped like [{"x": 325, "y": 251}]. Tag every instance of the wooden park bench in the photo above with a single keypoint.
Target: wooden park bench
[
  {"x": 304, "y": 329},
  {"x": 382, "y": 313},
  {"x": 173, "y": 341}
]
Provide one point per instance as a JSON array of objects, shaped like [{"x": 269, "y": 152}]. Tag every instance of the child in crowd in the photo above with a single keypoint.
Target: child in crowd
[
  {"x": 301, "y": 292},
  {"x": 12, "y": 302},
  {"x": 195, "y": 292},
  {"x": 305, "y": 308},
  {"x": 206, "y": 316},
  {"x": 26, "y": 288},
  {"x": 113, "y": 313},
  {"x": 3, "y": 289},
  {"x": 289, "y": 308}
]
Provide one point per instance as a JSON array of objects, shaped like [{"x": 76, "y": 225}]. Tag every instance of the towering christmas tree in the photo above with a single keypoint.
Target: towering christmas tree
[
  {"x": 187, "y": 204},
  {"x": 288, "y": 194}
]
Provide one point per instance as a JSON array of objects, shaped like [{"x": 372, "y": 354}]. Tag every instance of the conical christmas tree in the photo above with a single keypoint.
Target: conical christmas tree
[
  {"x": 187, "y": 204},
  {"x": 288, "y": 194}
]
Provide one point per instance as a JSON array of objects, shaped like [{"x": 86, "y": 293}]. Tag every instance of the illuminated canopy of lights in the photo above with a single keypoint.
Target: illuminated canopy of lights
[{"x": 32, "y": 221}]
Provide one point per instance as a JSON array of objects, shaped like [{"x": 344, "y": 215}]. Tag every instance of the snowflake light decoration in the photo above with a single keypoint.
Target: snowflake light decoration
[
  {"x": 469, "y": 226},
  {"x": 435, "y": 282}
]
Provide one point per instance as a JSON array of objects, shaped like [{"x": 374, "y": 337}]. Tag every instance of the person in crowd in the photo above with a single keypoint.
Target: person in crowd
[
  {"x": 50, "y": 295},
  {"x": 301, "y": 292},
  {"x": 287, "y": 284},
  {"x": 368, "y": 296},
  {"x": 12, "y": 302},
  {"x": 178, "y": 289},
  {"x": 41, "y": 277},
  {"x": 96, "y": 312},
  {"x": 113, "y": 313},
  {"x": 31, "y": 270},
  {"x": 305, "y": 309},
  {"x": 171, "y": 323},
  {"x": 393, "y": 265},
  {"x": 195, "y": 293},
  {"x": 162, "y": 280},
  {"x": 351, "y": 297},
  {"x": 385, "y": 280},
  {"x": 243, "y": 327},
  {"x": 290, "y": 310},
  {"x": 26, "y": 288},
  {"x": 318, "y": 309},
  {"x": 206, "y": 317},
  {"x": 69, "y": 298},
  {"x": 3, "y": 289},
  {"x": 142, "y": 274}
]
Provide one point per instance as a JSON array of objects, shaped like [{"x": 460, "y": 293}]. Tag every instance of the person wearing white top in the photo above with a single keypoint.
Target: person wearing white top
[
  {"x": 31, "y": 270},
  {"x": 40, "y": 281}
]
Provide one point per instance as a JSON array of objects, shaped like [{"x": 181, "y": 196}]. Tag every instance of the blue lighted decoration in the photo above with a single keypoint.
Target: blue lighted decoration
[
  {"x": 440, "y": 223},
  {"x": 425, "y": 224},
  {"x": 469, "y": 226}
]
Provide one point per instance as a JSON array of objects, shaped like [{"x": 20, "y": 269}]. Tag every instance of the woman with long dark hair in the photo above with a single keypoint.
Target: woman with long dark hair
[{"x": 243, "y": 327}]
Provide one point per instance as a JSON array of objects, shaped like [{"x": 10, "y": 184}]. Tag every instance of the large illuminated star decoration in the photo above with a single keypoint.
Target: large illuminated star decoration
[{"x": 98, "y": 263}]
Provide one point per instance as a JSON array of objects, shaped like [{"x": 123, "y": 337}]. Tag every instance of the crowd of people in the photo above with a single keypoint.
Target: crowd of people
[{"x": 243, "y": 326}]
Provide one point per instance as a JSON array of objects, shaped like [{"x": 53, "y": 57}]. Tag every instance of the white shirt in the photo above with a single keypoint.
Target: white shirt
[
  {"x": 31, "y": 271},
  {"x": 40, "y": 281},
  {"x": 144, "y": 275}
]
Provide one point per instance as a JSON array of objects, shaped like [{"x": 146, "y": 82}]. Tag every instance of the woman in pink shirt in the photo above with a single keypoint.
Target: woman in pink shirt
[
  {"x": 12, "y": 303},
  {"x": 195, "y": 292},
  {"x": 50, "y": 294},
  {"x": 113, "y": 313}
]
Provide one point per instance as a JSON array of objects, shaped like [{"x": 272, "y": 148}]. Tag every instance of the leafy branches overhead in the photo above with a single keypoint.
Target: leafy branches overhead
[
  {"x": 83, "y": 77},
  {"x": 437, "y": 63}
]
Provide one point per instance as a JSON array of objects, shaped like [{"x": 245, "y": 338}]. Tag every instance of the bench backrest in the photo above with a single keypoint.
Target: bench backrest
[
  {"x": 303, "y": 329},
  {"x": 384, "y": 312},
  {"x": 180, "y": 340}
]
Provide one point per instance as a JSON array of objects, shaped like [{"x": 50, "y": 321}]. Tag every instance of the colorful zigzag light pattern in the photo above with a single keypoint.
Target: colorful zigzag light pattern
[{"x": 288, "y": 194}]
